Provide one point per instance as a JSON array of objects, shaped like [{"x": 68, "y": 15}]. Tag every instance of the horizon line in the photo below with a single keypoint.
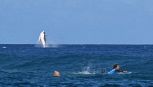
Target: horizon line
[{"x": 74, "y": 44}]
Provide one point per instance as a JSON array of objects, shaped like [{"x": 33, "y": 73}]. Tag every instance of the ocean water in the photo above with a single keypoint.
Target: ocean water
[{"x": 80, "y": 65}]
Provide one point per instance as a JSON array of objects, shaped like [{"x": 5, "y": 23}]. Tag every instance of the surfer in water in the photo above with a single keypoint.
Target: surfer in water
[{"x": 116, "y": 69}]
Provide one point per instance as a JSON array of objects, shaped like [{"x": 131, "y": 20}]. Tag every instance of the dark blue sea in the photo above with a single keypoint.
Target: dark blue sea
[{"x": 79, "y": 65}]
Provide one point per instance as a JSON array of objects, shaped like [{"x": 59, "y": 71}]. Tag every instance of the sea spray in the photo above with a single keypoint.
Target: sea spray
[{"x": 87, "y": 70}]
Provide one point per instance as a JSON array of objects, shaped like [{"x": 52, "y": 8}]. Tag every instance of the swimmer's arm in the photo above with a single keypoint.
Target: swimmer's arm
[{"x": 112, "y": 71}]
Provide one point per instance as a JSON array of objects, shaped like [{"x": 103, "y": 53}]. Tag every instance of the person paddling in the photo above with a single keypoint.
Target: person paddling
[{"x": 116, "y": 69}]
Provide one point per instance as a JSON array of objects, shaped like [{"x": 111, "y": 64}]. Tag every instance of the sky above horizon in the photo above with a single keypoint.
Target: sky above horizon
[{"x": 77, "y": 21}]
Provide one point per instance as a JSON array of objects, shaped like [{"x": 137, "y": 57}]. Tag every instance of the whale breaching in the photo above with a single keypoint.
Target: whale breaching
[{"x": 42, "y": 39}]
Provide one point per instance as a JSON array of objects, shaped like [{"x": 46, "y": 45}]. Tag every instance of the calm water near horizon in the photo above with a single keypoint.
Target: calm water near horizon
[{"x": 80, "y": 65}]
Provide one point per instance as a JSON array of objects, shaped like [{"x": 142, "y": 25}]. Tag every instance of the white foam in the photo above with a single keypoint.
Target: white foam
[
  {"x": 47, "y": 46},
  {"x": 4, "y": 47},
  {"x": 125, "y": 73},
  {"x": 86, "y": 71}
]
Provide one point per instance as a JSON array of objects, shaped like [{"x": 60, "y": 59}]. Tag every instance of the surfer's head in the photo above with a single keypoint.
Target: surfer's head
[
  {"x": 56, "y": 74},
  {"x": 116, "y": 66}
]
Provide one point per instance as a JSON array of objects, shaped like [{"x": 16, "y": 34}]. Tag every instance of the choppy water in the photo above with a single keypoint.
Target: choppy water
[{"x": 80, "y": 65}]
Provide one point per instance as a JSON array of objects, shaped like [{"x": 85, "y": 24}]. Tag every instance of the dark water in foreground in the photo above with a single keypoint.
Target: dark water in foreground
[{"x": 80, "y": 65}]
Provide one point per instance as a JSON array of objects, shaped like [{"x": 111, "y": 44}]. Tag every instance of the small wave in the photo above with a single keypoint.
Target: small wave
[{"x": 4, "y": 47}]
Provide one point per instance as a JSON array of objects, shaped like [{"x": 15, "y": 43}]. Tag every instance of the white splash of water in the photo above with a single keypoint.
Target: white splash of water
[
  {"x": 86, "y": 71},
  {"x": 4, "y": 47},
  {"x": 42, "y": 39},
  {"x": 47, "y": 46}
]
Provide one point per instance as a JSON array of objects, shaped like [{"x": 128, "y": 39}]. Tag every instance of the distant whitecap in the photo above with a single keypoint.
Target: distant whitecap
[{"x": 4, "y": 47}]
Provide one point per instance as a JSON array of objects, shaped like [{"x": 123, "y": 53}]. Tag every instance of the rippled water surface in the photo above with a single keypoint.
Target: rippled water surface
[{"x": 80, "y": 65}]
